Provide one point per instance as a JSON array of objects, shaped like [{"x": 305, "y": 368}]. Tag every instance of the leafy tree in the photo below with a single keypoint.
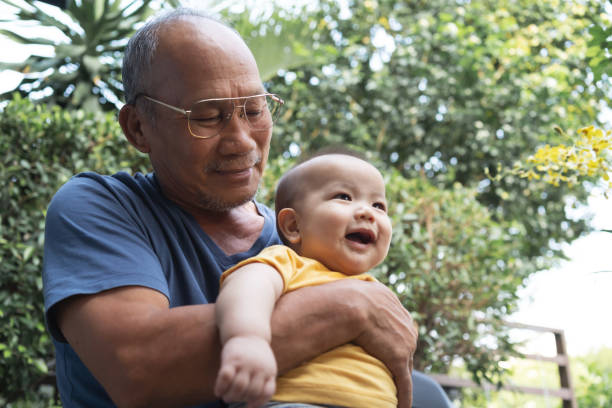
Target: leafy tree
[
  {"x": 456, "y": 269},
  {"x": 596, "y": 388},
  {"x": 600, "y": 48},
  {"x": 593, "y": 378},
  {"x": 444, "y": 90},
  {"x": 280, "y": 39},
  {"x": 42, "y": 148},
  {"x": 454, "y": 88},
  {"x": 437, "y": 91},
  {"x": 85, "y": 70}
]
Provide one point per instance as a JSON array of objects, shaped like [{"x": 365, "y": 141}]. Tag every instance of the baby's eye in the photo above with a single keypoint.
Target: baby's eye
[
  {"x": 343, "y": 196},
  {"x": 380, "y": 206}
]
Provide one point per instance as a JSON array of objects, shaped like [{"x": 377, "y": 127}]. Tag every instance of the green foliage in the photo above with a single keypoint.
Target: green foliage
[
  {"x": 444, "y": 90},
  {"x": 42, "y": 148},
  {"x": 600, "y": 48},
  {"x": 596, "y": 388},
  {"x": 452, "y": 265},
  {"x": 449, "y": 89},
  {"x": 593, "y": 379},
  {"x": 281, "y": 39},
  {"x": 438, "y": 90},
  {"x": 474, "y": 398},
  {"x": 85, "y": 70},
  {"x": 457, "y": 270}
]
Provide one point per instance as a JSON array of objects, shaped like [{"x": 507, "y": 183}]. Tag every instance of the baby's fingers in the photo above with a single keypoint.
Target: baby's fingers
[
  {"x": 253, "y": 395},
  {"x": 267, "y": 389},
  {"x": 238, "y": 389},
  {"x": 224, "y": 380}
]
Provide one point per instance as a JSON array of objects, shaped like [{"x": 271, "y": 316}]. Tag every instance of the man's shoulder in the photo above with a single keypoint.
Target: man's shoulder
[
  {"x": 92, "y": 186},
  {"x": 120, "y": 180}
]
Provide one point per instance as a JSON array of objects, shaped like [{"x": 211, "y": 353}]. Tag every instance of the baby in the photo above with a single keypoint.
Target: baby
[{"x": 332, "y": 215}]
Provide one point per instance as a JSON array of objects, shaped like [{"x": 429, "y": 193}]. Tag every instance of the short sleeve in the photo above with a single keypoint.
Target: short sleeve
[
  {"x": 94, "y": 241},
  {"x": 280, "y": 257}
]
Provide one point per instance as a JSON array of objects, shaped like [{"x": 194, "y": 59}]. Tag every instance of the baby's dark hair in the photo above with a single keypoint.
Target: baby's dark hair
[{"x": 288, "y": 188}]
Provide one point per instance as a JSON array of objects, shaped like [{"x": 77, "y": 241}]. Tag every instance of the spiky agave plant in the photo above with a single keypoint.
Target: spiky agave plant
[{"x": 85, "y": 68}]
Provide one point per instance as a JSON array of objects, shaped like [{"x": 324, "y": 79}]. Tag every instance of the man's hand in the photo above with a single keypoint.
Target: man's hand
[
  {"x": 391, "y": 336},
  {"x": 348, "y": 310},
  {"x": 248, "y": 371}
]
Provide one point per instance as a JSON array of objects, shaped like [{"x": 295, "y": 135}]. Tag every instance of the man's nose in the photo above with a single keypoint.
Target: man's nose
[{"x": 236, "y": 137}]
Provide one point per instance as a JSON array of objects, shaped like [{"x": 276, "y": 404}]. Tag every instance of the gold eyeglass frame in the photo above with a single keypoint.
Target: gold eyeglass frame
[{"x": 228, "y": 116}]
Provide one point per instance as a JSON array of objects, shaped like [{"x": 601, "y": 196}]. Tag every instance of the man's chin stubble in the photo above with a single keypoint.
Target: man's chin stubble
[{"x": 217, "y": 205}]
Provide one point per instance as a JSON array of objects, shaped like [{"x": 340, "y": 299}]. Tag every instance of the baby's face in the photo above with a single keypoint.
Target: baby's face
[{"x": 342, "y": 218}]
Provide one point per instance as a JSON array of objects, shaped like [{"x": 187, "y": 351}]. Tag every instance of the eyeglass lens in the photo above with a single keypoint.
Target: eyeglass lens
[{"x": 207, "y": 118}]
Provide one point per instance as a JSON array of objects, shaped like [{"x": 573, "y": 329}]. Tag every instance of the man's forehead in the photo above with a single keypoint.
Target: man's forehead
[{"x": 202, "y": 66}]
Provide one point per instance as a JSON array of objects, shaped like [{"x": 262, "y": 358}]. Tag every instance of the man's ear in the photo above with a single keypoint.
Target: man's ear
[
  {"x": 131, "y": 122},
  {"x": 288, "y": 225}
]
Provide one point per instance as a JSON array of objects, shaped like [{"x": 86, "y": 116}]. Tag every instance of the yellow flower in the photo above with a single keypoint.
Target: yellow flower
[{"x": 589, "y": 155}]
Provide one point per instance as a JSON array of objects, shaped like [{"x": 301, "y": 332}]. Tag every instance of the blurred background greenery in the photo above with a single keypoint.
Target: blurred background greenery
[{"x": 437, "y": 93}]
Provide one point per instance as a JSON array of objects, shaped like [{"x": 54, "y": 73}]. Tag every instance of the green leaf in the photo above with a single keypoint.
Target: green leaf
[
  {"x": 14, "y": 66},
  {"x": 99, "y": 7},
  {"x": 27, "y": 253},
  {"x": 40, "y": 365},
  {"x": 70, "y": 50},
  {"x": 92, "y": 64},
  {"x": 594, "y": 52},
  {"x": 598, "y": 33},
  {"x": 25, "y": 40}
]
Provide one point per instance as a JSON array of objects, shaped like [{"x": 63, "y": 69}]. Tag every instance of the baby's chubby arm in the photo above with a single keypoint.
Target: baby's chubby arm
[{"x": 243, "y": 312}]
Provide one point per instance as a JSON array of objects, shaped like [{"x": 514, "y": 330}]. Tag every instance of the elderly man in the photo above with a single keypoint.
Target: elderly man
[{"x": 132, "y": 263}]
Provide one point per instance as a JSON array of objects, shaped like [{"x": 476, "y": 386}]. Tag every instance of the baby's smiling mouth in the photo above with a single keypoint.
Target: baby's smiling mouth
[{"x": 361, "y": 236}]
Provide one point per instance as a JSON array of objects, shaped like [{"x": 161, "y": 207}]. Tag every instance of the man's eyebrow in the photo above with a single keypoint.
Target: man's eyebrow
[{"x": 245, "y": 95}]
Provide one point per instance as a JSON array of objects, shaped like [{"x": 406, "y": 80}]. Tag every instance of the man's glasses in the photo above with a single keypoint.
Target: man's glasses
[{"x": 207, "y": 118}]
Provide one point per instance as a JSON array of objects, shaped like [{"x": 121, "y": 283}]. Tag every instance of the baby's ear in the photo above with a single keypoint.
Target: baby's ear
[{"x": 288, "y": 225}]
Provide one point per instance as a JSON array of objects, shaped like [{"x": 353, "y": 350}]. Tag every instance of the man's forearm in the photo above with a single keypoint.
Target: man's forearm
[
  {"x": 146, "y": 354},
  {"x": 312, "y": 320},
  {"x": 142, "y": 352}
]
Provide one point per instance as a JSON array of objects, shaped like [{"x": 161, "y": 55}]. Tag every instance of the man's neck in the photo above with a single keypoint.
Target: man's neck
[{"x": 235, "y": 230}]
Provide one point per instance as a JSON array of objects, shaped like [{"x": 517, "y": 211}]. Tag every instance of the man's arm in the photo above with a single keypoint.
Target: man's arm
[
  {"x": 243, "y": 312},
  {"x": 365, "y": 313},
  {"x": 141, "y": 351},
  {"x": 147, "y": 354}
]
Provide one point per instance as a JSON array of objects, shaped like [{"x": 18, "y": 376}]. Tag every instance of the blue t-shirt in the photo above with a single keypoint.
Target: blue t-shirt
[{"x": 104, "y": 232}]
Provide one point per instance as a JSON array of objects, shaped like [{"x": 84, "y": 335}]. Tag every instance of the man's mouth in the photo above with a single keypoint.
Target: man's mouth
[
  {"x": 361, "y": 236},
  {"x": 234, "y": 171},
  {"x": 236, "y": 165}
]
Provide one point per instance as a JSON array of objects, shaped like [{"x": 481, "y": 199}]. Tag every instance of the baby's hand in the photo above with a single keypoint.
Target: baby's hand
[{"x": 248, "y": 371}]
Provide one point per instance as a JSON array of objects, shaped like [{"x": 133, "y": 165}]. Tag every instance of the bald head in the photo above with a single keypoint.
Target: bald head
[
  {"x": 308, "y": 175},
  {"x": 174, "y": 36},
  {"x": 292, "y": 182}
]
